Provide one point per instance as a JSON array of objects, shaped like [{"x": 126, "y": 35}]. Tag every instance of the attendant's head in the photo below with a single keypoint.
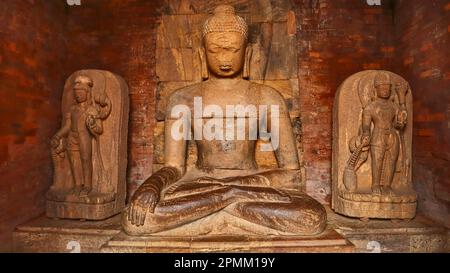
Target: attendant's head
[
  {"x": 382, "y": 85},
  {"x": 82, "y": 88}
]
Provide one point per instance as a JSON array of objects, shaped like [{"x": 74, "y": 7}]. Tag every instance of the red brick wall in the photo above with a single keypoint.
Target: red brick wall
[
  {"x": 423, "y": 30},
  {"x": 120, "y": 36},
  {"x": 31, "y": 50},
  {"x": 336, "y": 38}
]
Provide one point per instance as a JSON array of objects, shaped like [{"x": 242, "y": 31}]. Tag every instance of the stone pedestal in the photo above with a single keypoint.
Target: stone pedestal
[
  {"x": 48, "y": 235},
  {"x": 82, "y": 211},
  {"x": 64, "y": 236},
  {"x": 419, "y": 235},
  {"x": 343, "y": 234},
  {"x": 329, "y": 241}
]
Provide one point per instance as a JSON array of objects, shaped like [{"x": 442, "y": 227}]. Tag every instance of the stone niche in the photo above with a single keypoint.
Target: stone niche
[
  {"x": 273, "y": 37},
  {"x": 272, "y": 27}
]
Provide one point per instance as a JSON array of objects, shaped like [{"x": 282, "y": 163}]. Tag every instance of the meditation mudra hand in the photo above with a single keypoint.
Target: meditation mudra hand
[{"x": 226, "y": 180}]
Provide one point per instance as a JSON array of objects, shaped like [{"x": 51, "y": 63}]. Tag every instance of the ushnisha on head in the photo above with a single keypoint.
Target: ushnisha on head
[
  {"x": 225, "y": 20},
  {"x": 225, "y": 49},
  {"x": 82, "y": 88},
  {"x": 382, "y": 84}
]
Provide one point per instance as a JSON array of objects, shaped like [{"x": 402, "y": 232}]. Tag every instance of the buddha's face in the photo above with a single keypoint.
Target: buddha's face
[
  {"x": 225, "y": 53},
  {"x": 81, "y": 94},
  {"x": 383, "y": 90}
]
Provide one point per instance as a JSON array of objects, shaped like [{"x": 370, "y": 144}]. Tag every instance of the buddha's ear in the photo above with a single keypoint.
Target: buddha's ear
[
  {"x": 204, "y": 65},
  {"x": 248, "y": 58}
]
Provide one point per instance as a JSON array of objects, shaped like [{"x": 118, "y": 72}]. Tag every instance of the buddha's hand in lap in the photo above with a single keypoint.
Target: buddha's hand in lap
[
  {"x": 145, "y": 199},
  {"x": 251, "y": 180}
]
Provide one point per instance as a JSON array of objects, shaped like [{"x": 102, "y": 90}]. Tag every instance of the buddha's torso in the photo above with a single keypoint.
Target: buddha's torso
[{"x": 227, "y": 149}]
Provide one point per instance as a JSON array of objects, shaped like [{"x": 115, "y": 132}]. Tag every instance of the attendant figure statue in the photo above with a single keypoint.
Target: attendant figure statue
[
  {"x": 372, "y": 147},
  {"x": 89, "y": 150}
]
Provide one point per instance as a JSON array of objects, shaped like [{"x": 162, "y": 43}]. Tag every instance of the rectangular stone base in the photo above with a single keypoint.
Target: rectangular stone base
[
  {"x": 63, "y": 236},
  {"x": 67, "y": 210},
  {"x": 392, "y": 236},
  {"x": 343, "y": 235},
  {"x": 329, "y": 241}
]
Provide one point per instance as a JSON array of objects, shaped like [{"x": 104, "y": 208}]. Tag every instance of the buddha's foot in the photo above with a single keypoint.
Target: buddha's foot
[
  {"x": 376, "y": 190},
  {"x": 387, "y": 190},
  {"x": 85, "y": 191}
]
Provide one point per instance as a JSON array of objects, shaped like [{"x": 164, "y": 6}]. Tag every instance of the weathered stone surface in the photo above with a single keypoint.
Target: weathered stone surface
[
  {"x": 281, "y": 10},
  {"x": 328, "y": 242},
  {"x": 282, "y": 62},
  {"x": 44, "y": 235},
  {"x": 89, "y": 151},
  {"x": 176, "y": 64},
  {"x": 199, "y": 193},
  {"x": 372, "y": 149},
  {"x": 419, "y": 235},
  {"x": 261, "y": 11},
  {"x": 174, "y": 32},
  {"x": 61, "y": 236}
]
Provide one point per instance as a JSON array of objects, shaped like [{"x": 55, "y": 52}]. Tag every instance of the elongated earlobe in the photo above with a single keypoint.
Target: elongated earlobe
[
  {"x": 248, "y": 57},
  {"x": 204, "y": 65}
]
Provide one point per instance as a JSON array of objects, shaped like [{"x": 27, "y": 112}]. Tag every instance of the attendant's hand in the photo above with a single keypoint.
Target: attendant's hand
[
  {"x": 91, "y": 124},
  {"x": 365, "y": 140},
  {"x": 401, "y": 88},
  {"x": 402, "y": 117},
  {"x": 55, "y": 141}
]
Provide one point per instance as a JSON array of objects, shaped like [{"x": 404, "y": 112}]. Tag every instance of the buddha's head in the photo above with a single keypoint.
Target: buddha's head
[
  {"x": 82, "y": 88},
  {"x": 382, "y": 84},
  {"x": 225, "y": 53}
]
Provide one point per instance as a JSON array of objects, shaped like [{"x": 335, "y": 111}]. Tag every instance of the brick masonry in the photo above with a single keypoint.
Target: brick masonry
[
  {"x": 32, "y": 67},
  {"x": 422, "y": 31}
]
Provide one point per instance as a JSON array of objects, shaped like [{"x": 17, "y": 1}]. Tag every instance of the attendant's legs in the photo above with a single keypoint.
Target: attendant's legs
[
  {"x": 76, "y": 168},
  {"x": 377, "y": 155},
  {"x": 390, "y": 164},
  {"x": 87, "y": 164}
]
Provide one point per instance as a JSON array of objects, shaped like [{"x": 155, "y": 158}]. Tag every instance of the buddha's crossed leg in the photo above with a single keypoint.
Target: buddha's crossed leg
[{"x": 260, "y": 205}]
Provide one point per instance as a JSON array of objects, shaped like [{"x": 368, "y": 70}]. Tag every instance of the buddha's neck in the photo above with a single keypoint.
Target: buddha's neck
[{"x": 231, "y": 81}]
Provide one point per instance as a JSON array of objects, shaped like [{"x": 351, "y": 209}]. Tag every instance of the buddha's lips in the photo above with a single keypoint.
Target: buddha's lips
[{"x": 225, "y": 68}]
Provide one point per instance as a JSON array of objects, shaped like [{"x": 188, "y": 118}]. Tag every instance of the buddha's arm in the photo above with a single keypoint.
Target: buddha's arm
[
  {"x": 284, "y": 146},
  {"x": 286, "y": 152},
  {"x": 287, "y": 175},
  {"x": 148, "y": 194}
]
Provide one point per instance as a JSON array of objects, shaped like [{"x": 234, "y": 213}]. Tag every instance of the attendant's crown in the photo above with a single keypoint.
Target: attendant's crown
[
  {"x": 83, "y": 82},
  {"x": 382, "y": 78}
]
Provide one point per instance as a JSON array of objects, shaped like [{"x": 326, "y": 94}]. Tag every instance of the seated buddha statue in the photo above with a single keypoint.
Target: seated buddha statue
[{"x": 225, "y": 190}]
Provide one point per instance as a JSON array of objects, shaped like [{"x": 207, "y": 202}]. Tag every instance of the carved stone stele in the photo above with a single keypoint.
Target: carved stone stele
[
  {"x": 90, "y": 150},
  {"x": 372, "y": 134}
]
